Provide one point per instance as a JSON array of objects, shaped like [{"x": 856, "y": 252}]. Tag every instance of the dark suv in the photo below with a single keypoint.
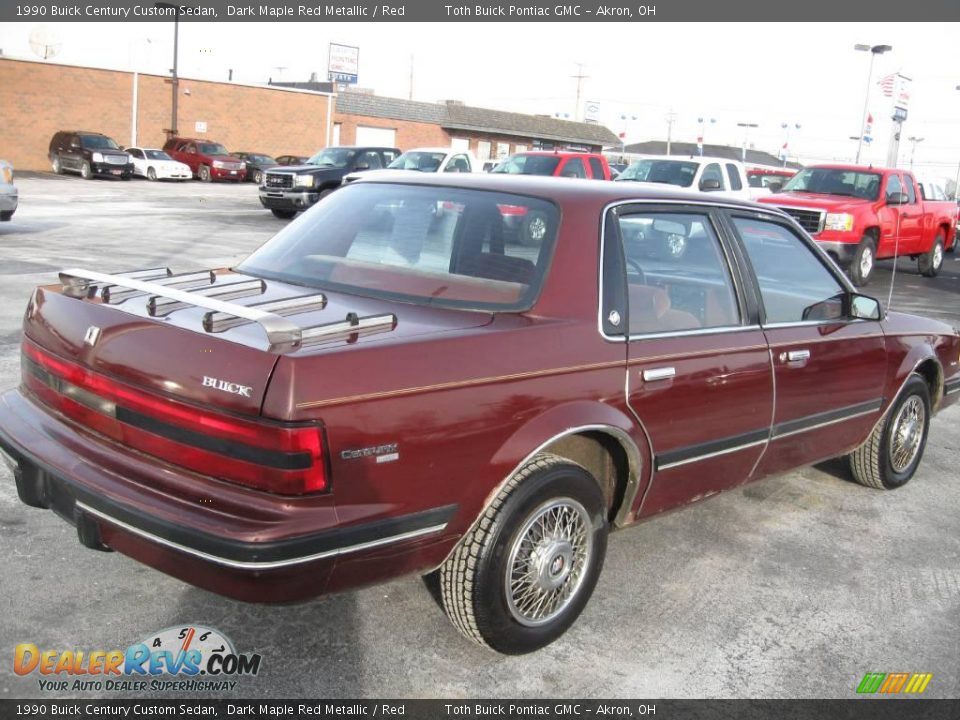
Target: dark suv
[
  {"x": 288, "y": 190},
  {"x": 90, "y": 154}
]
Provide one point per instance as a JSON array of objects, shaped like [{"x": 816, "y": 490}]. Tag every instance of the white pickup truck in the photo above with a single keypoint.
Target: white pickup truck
[{"x": 696, "y": 172}]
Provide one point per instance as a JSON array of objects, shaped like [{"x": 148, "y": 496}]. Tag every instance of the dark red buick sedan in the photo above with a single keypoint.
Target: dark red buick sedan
[{"x": 398, "y": 383}]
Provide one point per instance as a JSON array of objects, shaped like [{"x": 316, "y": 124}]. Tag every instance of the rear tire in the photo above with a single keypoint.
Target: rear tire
[
  {"x": 258, "y": 177},
  {"x": 890, "y": 456},
  {"x": 57, "y": 165},
  {"x": 931, "y": 261},
  {"x": 864, "y": 261},
  {"x": 204, "y": 173},
  {"x": 6, "y": 215},
  {"x": 521, "y": 576},
  {"x": 283, "y": 214}
]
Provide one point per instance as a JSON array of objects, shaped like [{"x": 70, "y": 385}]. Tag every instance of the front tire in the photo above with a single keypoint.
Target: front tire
[
  {"x": 151, "y": 174},
  {"x": 864, "y": 261},
  {"x": 86, "y": 172},
  {"x": 892, "y": 453},
  {"x": 931, "y": 261},
  {"x": 522, "y": 575},
  {"x": 204, "y": 173},
  {"x": 283, "y": 214}
]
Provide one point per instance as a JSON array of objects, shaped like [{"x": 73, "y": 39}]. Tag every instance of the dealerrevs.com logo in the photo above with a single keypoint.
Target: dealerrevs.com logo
[{"x": 192, "y": 658}]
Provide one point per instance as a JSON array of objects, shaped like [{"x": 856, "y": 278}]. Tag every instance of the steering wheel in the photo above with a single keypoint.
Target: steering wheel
[{"x": 635, "y": 266}]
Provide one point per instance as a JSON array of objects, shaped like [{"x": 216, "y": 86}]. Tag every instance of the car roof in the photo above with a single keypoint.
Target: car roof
[
  {"x": 563, "y": 190},
  {"x": 854, "y": 168},
  {"x": 558, "y": 153},
  {"x": 435, "y": 150}
]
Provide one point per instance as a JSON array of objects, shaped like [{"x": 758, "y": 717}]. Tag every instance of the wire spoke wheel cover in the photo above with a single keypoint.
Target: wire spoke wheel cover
[
  {"x": 547, "y": 561},
  {"x": 907, "y": 433}
]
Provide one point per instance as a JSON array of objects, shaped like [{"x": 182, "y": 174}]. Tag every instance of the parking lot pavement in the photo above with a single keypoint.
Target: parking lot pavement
[{"x": 793, "y": 586}]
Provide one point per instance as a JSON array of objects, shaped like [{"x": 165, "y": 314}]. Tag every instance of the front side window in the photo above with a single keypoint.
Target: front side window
[
  {"x": 677, "y": 277},
  {"x": 894, "y": 185},
  {"x": 429, "y": 245},
  {"x": 712, "y": 178},
  {"x": 794, "y": 284}
]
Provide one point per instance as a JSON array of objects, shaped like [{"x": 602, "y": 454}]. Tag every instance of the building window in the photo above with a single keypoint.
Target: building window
[
  {"x": 503, "y": 149},
  {"x": 519, "y": 148},
  {"x": 483, "y": 150},
  {"x": 461, "y": 144},
  {"x": 336, "y": 133}
]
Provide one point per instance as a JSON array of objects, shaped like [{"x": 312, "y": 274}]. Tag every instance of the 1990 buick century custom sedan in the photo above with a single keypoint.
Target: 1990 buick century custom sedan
[{"x": 388, "y": 388}]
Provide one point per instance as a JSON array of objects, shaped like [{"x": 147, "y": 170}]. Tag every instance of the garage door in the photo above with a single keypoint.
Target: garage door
[{"x": 378, "y": 137}]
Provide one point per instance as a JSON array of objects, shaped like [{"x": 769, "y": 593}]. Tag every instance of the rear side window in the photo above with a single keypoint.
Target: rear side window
[
  {"x": 911, "y": 193},
  {"x": 733, "y": 174},
  {"x": 596, "y": 167},
  {"x": 677, "y": 277}
]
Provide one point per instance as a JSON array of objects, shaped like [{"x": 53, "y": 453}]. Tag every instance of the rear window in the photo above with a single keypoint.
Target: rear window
[{"x": 440, "y": 246}]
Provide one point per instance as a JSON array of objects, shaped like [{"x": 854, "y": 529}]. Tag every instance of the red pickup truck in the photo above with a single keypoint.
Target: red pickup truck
[{"x": 862, "y": 214}]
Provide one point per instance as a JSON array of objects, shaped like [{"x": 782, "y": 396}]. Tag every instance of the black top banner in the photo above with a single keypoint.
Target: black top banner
[{"x": 635, "y": 11}]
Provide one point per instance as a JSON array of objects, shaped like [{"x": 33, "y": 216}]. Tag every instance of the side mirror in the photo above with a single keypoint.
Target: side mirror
[
  {"x": 897, "y": 198},
  {"x": 708, "y": 184},
  {"x": 863, "y": 307}
]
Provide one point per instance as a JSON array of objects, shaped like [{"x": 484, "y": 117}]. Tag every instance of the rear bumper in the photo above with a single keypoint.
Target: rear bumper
[
  {"x": 244, "y": 544},
  {"x": 287, "y": 199}
]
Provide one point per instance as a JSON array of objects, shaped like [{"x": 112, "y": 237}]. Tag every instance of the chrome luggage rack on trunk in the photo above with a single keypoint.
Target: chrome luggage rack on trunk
[{"x": 165, "y": 292}]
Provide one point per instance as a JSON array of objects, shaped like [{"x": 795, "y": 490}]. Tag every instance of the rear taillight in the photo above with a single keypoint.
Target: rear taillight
[{"x": 276, "y": 457}]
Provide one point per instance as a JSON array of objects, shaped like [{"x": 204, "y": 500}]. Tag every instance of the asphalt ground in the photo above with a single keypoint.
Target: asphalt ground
[{"x": 794, "y": 586}]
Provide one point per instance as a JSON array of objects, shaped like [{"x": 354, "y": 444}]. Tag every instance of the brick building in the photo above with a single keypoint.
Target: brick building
[
  {"x": 38, "y": 98},
  {"x": 361, "y": 118}
]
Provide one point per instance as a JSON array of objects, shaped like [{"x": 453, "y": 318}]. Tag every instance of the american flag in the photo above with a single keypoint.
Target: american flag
[{"x": 887, "y": 83}]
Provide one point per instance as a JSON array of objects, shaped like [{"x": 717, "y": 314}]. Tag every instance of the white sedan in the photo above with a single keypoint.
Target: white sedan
[{"x": 155, "y": 164}]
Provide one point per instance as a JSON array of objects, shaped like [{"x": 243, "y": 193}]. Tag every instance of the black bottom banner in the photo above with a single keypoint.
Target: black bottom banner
[{"x": 867, "y": 709}]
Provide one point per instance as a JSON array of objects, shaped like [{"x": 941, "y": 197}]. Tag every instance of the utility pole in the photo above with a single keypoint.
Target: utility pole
[
  {"x": 579, "y": 77},
  {"x": 671, "y": 118}
]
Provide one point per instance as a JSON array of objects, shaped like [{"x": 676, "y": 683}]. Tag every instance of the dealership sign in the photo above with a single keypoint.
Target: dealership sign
[{"x": 343, "y": 64}]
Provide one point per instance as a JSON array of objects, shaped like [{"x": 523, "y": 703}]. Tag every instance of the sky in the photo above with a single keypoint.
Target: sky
[{"x": 639, "y": 74}]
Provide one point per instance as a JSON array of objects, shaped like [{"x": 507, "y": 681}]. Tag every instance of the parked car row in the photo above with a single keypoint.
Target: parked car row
[{"x": 8, "y": 192}]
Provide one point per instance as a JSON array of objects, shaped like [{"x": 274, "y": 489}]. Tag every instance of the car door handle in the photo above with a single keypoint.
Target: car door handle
[
  {"x": 795, "y": 356},
  {"x": 662, "y": 373}
]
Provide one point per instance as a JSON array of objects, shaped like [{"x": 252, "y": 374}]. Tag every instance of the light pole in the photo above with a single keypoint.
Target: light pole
[
  {"x": 874, "y": 50},
  {"x": 913, "y": 147},
  {"x": 174, "y": 81},
  {"x": 746, "y": 135},
  {"x": 671, "y": 118}
]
